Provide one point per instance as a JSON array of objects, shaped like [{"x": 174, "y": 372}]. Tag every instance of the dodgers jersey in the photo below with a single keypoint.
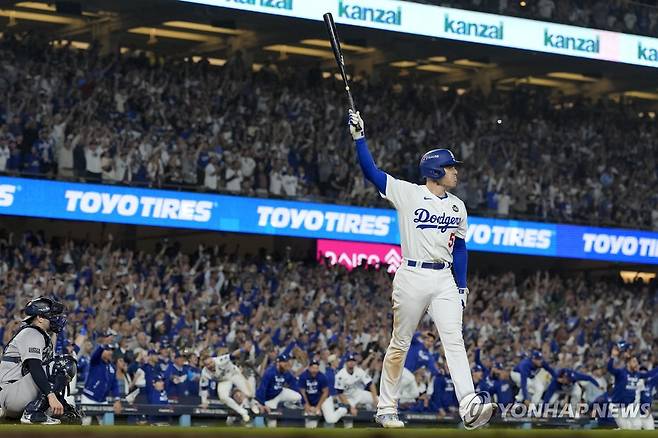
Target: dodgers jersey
[
  {"x": 428, "y": 223},
  {"x": 222, "y": 370},
  {"x": 351, "y": 383}
]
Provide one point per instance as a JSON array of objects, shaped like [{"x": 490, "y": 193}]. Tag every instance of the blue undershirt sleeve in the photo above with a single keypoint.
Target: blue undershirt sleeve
[
  {"x": 370, "y": 170},
  {"x": 460, "y": 261}
]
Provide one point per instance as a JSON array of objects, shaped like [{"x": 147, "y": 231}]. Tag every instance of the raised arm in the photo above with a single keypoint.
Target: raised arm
[
  {"x": 368, "y": 166},
  {"x": 582, "y": 377},
  {"x": 478, "y": 361}
]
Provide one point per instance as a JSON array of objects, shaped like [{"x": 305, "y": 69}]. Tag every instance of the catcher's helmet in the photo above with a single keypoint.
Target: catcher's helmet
[
  {"x": 66, "y": 366},
  {"x": 46, "y": 308},
  {"x": 434, "y": 162}
]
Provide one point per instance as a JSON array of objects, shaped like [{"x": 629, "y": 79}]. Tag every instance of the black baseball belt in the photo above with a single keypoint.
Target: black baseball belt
[{"x": 429, "y": 265}]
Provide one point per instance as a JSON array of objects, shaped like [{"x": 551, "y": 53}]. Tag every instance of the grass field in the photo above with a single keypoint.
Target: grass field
[{"x": 241, "y": 432}]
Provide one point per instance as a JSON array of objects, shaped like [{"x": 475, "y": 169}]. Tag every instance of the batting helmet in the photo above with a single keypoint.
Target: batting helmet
[
  {"x": 46, "y": 308},
  {"x": 434, "y": 162}
]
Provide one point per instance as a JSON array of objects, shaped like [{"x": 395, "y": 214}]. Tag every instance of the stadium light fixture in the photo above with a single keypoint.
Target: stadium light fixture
[
  {"x": 470, "y": 63},
  {"x": 642, "y": 95},
  {"x": 437, "y": 59},
  {"x": 403, "y": 64},
  {"x": 35, "y": 16},
  {"x": 37, "y": 5},
  {"x": 212, "y": 61},
  {"x": 154, "y": 33},
  {"x": 571, "y": 76},
  {"x": 48, "y": 7},
  {"x": 531, "y": 80},
  {"x": 296, "y": 50},
  {"x": 81, "y": 45},
  {"x": 436, "y": 68},
  {"x": 348, "y": 47},
  {"x": 632, "y": 276},
  {"x": 202, "y": 27}
]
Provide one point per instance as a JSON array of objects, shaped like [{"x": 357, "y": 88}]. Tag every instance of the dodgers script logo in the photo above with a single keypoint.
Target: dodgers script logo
[{"x": 443, "y": 222}]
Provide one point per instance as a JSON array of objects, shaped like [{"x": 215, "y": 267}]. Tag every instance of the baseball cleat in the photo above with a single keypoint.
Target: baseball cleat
[
  {"x": 476, "y": 410},
  {"x": 39, "y": 419},
  {"x": 246, "y": 418},
  {"x": 389, "y": 421}
]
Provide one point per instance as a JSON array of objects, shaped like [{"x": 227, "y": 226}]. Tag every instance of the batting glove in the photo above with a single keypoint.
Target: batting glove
[
  {"x": 463, "y": 295},
  {"x": 357, "y": 128}
]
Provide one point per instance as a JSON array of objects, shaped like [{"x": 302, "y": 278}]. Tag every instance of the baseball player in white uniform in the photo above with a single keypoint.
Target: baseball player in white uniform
[
  {"x": 227, "y": 374},
  {"x": 433, "y": 228},
  {"x": 354, "y": 386}
]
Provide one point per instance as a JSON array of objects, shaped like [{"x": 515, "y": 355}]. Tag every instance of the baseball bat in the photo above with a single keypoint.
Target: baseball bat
[{"x": 338, "y": 53}]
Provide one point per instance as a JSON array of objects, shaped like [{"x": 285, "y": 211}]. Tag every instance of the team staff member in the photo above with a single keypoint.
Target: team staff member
[
  {"x": 176, "y": 377},
  {"x": 527, "y": 377},
  {"x": 278, "y": 385},
  {"x": 26, "y": 390},
  {"x": 627, "y": 385},
  {"x": 101, "y": 385},
  {"x": 502, "y": 389},
  {"x": 314, "y": 390}
]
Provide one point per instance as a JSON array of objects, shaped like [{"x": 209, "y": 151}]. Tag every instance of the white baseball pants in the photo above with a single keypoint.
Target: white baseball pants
[
  {"x": 360, "y": 397},
  {"x": 535, "y": 385},
  {"x": 575, "y": 394},
  {"x": 416, "y": 291},
  {"x": 409, "y": 391},
  {"x": 224, "y": 391},
  {"x": 86, "y": 421},
  {"x": 286, "y": 395},
  {"x": 329, "y": 412}
]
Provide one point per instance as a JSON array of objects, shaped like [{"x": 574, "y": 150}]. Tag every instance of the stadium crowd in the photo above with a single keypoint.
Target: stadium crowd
[
  {"x": 281, "y": 132},
  {"x": 158, "y": 317},
  {"x": 627, "y": 16}
]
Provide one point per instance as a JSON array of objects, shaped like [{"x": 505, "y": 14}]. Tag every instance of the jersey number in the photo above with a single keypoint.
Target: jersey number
[{"x": 451, "y": 241}]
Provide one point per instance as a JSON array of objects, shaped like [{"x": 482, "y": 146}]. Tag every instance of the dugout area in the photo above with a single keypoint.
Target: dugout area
[{"x": 16, "y": 431}]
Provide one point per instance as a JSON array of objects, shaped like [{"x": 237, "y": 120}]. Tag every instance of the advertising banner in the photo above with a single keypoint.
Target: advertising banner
[
  {"x": 463, "y": 25},
  {"x": 206, "y": 211},
  {"x": 353, "y": 254}
]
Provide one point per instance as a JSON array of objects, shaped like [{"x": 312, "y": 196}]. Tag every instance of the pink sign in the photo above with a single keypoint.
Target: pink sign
[{"x": 351, "y": 254}]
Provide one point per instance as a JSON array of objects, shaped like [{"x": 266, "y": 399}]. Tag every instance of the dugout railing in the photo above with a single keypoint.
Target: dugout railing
[{"x": 216, "y": 414}]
